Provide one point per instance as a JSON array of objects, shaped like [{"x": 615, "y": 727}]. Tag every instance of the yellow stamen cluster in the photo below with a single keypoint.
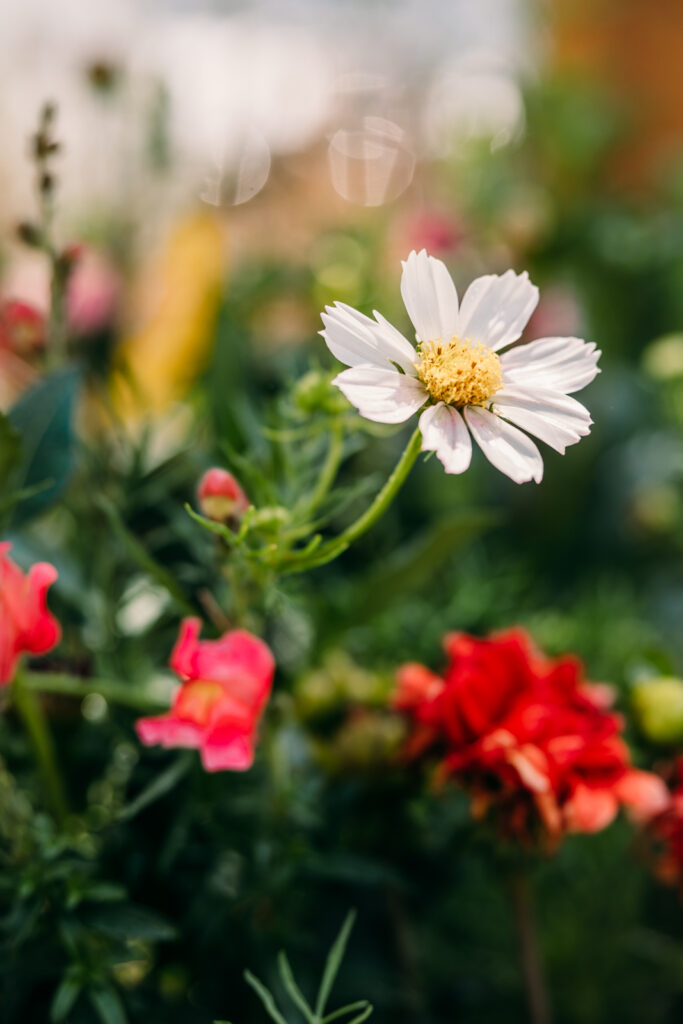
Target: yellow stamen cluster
[{"x": 459, "y": 372}]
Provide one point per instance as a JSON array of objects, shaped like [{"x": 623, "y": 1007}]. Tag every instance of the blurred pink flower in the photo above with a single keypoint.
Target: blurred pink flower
[
  {"x": 433, "y": 230},
  {"x": 93, "y": 291},
  {"x": 225, "y": 687},
  {"x": 26, "y": 625}
]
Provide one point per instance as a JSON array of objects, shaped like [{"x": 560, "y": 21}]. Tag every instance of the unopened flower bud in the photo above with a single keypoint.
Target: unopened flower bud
[
  {"x": 314, "y": 393},
  {"x": 658, "y": 706},
  {"x": 221, "y": 498}
]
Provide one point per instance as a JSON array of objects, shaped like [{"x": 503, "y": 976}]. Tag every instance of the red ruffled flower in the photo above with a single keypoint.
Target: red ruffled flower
[
  {"x": 525, "y": 734},
  {"x": 26, "y": 625},
  {"x": 225, "y": 687}
]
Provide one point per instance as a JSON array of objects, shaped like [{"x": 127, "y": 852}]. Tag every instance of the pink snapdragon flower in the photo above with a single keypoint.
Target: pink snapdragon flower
[
  {"x": 26, "y": 624},
  {"x": 225, "y": 687}
]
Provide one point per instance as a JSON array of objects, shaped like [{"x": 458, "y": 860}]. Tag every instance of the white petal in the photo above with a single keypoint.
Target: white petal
[
  {"x": 385, "y": 396},
  {"x": 506, "y": 448},
  {"x": 496, "y": 308},
  {"x": 444, "y": 432},
  {"x": 551, "y": 415},
  {"x": 565, "y": 364},
  {"x": 429, "y": 296},
  {"x": 356, "y": 340}
]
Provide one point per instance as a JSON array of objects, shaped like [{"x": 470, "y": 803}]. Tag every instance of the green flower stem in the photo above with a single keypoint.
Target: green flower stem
[
  {"x": 70, "y": 686},
  {"x": 328, "y": 472},
  {"x": 31, "y": 713},
  {"x": 333, "y": 548}
]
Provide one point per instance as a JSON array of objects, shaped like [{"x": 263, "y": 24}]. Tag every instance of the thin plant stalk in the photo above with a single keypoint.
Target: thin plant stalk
[
  {"x": 31, "y": 713},
  {"x": 332, "y": 549},
  {"x": 529, "y": 952}
]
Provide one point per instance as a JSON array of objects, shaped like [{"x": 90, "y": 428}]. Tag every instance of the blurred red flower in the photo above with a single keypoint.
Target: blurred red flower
[
  {"x": 26, "y": 625},
  {"x": 221, "y": 497},
  {"x": 22, "y": 328},
  {"x": 525, "y": 734},
  {"x": 667, "y": 830},
  {"x": 225, "y": 687}
]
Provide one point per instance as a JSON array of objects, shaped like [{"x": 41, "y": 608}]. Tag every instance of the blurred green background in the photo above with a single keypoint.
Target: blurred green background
[{"x": 225, "y": 174}]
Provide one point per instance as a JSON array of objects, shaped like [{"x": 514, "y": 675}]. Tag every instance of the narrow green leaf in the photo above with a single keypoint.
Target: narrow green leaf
[
  {"x": 138, "y": 554},
  {"x": 64, "y": 999},
  {"x": 161, "y": 785},
  {"x": 293, "y": 990},
  {"x": 362, "y": 1004},
  {"x": 265, "y": 997},
  {"x": 128, "y": 921},
  {"x": 414, "y": 566},
  {"x": 108, "y": 1005},
  {"x": 332, "y": 965},
  {"x": 362, "y": 1016},
  {"x": 229, "y": 536}
]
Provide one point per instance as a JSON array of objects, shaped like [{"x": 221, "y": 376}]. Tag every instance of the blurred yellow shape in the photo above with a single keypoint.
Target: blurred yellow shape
[{"x": 181, "y": 294}]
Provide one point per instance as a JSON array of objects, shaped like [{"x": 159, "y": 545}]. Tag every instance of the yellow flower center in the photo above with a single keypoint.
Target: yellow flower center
[{"x": 459, "y": 372}]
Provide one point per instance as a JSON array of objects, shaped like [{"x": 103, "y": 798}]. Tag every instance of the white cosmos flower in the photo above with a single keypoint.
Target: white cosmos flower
[{"x": 456, "y": 371}]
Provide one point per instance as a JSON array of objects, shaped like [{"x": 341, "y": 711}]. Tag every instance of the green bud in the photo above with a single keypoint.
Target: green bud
[
  {"x": 270, "y": 518},
  {"x": 658, "y": 707},
  {"x": 663, "y": 358},
  {"x": 314, "y": 392}
]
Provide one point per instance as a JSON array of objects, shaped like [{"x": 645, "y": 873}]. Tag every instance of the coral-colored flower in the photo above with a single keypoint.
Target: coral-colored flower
[
  {"x": 26, "y": 625},
  {"x": 225, "y": 687},
  {"x": 221, "y": 497},
  {"x": 526, "y": 734}
]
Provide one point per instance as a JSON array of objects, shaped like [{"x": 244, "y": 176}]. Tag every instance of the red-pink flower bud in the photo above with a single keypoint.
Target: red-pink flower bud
[{"x": 221, "y": 497}]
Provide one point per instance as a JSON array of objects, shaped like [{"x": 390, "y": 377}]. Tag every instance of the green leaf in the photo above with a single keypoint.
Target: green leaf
[
  {"x": 414, "y": 566},
  {"x": 127, "y": 921},
  {"x": 10, "y": 450},
  {"x": 212, "y": 526},
  {"x": 333, "y": 963},
  {"x": 108, "y": 1005},
  {"x": 362, "y": 1016},
  {"x": 293, "y": 990},
  {"x": 141, "y": 557},
  {"x": 265, "y": 997},
  {"x": 44, "y": 420},
  {"x": 64, "y": 998},
  {"x": 362, "y": 1004},
  {"x": 161, "y": 785}
]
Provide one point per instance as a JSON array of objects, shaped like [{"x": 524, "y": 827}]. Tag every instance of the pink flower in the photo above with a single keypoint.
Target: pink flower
[
  {"x": 93, "y": 291},
  {"x": 434, "y": 230},
  {"x": 221, "y": 497},
  {"x": 225, "y": 687},
  {"x": 26, "y": 625}
]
